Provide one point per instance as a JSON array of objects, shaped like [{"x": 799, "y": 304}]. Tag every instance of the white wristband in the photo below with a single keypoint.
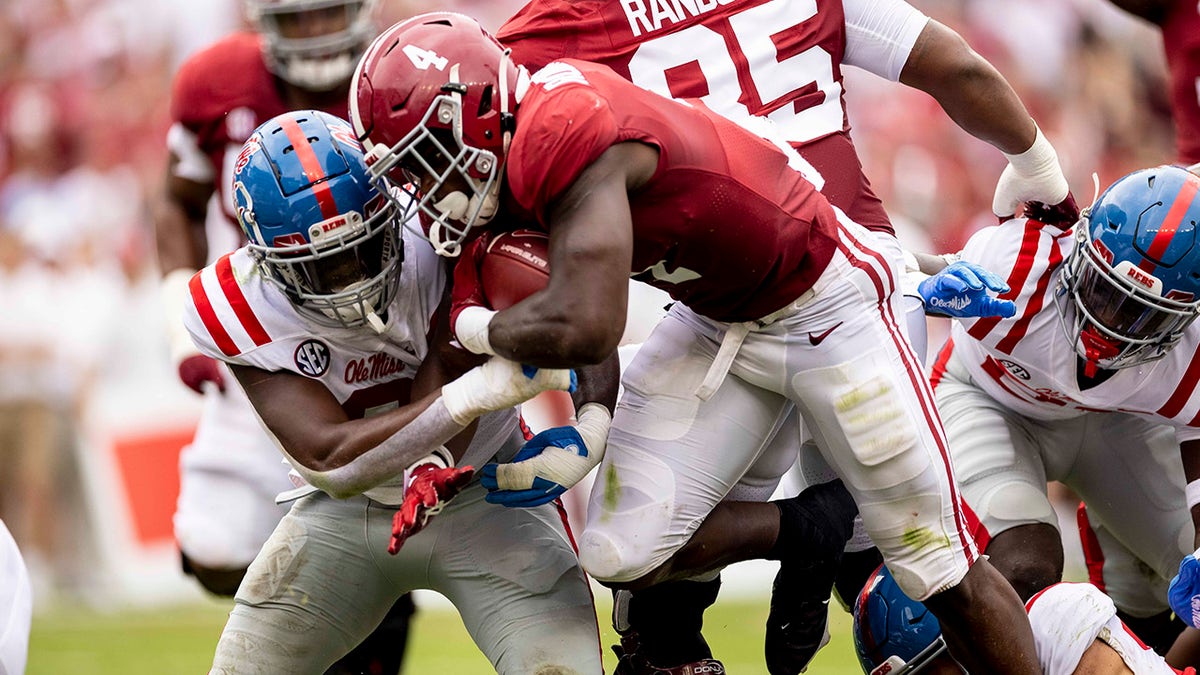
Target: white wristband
[
  {"x": 471, "y": 329},
  {"x": 1038, "y": 157},
  {"x": 174, "y": 295},
  {"x": 1192, "y": 492}
]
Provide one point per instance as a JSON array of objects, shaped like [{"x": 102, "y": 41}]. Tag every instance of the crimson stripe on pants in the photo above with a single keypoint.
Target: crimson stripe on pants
[{"x": 916, "y": 376}]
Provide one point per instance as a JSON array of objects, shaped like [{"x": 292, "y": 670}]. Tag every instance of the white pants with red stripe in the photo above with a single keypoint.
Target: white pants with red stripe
[
  {"x": 1125, "y": 468},
  {"x": 672, "y": 455}
]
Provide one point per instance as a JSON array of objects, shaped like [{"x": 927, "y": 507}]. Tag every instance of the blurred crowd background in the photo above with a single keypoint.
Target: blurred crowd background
[{"x": 84, "y": 88}]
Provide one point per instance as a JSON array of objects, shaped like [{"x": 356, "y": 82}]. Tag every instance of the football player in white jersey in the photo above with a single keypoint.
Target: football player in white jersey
[
  {"x": 1075, "y": 628},
  {"x": 332, "y": 319},
  {"x": 300, "y": 55},
  {"x": 1092, "y": 383}
]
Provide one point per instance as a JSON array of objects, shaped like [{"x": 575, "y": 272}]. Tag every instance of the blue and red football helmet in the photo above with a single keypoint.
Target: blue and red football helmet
[
  {"x": 315, "y": 223},
  {"x": 1133, "y": 279},
  {"x": 893, "y": 633}
]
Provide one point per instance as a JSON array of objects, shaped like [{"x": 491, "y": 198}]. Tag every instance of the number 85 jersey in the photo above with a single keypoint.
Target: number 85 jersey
[{"x": 773, "y": 66}]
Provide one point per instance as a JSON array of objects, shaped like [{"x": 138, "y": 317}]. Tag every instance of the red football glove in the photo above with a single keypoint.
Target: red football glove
[
  {"x": 467, "y": 291},
  {"x": 429, "y": 488},
  {"x": 1062, "y": 215},
  {"x": 197, "y": 369}
]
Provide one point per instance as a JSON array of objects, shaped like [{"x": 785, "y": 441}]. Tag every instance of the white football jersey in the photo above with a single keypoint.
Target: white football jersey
[
  {"x": 1068, "y": 618},
  {"x": 1028, "y": 364},
  {"x": 237, "y": 315}
]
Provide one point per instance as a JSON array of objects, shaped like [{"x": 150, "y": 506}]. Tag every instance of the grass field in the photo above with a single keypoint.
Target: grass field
[{"x": 180, "y": 640}]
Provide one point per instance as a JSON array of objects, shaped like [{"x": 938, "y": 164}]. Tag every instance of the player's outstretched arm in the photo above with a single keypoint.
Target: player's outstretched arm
[
  {"x": 345, "y": 457},
  {"x": 978, "y": 98}
]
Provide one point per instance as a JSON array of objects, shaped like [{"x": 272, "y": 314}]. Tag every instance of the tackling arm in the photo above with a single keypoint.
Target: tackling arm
[
  {"x": 580, "y": 315},
  {"x": 334, "y": 453}
]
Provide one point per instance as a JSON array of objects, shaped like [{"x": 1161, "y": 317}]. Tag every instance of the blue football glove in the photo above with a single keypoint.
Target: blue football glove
[
  {"x": 1184, "y": 592},
  {"x": 550, "y": 462},
  {"x": 961, "y": 290}
]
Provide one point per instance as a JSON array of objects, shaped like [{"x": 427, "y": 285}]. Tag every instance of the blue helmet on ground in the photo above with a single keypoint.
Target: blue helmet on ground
[
  {"x": 893, "y": 633},
  {"x": 1132, "y": 284},
  {"x": 317, "y": 226}
]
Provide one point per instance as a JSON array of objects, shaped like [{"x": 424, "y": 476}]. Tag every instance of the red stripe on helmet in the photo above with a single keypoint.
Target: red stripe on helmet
[
  {"x": 1170, "y": 224},
  {"x": 312, "y": 166}
]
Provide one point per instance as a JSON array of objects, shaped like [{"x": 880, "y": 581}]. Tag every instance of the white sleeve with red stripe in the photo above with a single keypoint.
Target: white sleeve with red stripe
[
  {"x": 1068, "y": 618},
  {"x": 1027, "y": 256},
  {"x": 221, "y": 319}
]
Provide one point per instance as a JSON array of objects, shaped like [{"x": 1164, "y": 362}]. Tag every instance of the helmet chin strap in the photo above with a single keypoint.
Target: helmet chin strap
[{"x": 1096, "y": 347}]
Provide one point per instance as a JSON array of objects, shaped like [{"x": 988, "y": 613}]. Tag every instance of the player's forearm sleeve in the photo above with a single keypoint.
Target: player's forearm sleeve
[{"x": 420, "y": 437}]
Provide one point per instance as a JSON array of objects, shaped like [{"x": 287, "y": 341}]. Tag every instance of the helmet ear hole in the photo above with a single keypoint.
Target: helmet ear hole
[{"x": 485, "y": 101}]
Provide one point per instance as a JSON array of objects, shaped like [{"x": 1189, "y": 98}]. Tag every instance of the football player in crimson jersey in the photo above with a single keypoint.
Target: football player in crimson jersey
[
  {"x": 334, "y": 320},
  {"x": 764, "y": 272},
  {"x": 1180, "y": 23},
  {"x": 1075, "y": 625},
  {"x": 777, "y": 66},
  {"x": 1092, "y": 383},
  {"x": 301, "y": 56}
]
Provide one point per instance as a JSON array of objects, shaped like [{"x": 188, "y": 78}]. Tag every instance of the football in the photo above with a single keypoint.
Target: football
[{"x": 515, "y": 265}]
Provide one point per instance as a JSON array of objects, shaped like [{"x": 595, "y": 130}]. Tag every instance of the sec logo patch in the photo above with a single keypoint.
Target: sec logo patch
[{"x": 312, "y": 358}]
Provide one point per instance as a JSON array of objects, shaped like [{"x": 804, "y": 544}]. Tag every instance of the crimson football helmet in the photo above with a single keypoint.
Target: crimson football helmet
[
  {"x": 1132, "y": 284},
  {"x": 313, "y": 44},
  {"x": 432, "y": 101}
]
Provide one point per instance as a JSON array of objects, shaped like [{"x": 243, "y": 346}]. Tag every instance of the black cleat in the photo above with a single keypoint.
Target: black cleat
[
  {"x": 814, "y": 527},
  {"x": 631, "y": 662}
]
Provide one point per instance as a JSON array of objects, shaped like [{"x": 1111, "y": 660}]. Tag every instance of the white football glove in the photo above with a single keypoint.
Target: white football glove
[
  {"x": 1031, "y": 176},
  {"x": 550, "y": 462},
  {"x": 499, "y": 384}
]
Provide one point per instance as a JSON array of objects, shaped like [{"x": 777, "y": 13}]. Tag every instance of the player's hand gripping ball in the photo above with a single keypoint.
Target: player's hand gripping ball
[
  {"x": 515, "y": 265},
  {"x": 495, "y": 272}
]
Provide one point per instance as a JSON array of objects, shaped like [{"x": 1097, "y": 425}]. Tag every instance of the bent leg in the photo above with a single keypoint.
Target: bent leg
[
  {"x": 313, "y": 592},
  {"x": 996, "y": 640},
  {"x": 515, "y": 580},
  {"x": 1030, "y": 557}
]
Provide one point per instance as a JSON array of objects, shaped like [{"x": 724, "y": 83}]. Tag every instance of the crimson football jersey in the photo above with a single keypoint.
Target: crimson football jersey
[
  {"x": 723, "y": 226},
  {"x": 1181, "y": 41},
  {"x": 219, "y": 97},
  {"x": 776, "y": 59}
]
